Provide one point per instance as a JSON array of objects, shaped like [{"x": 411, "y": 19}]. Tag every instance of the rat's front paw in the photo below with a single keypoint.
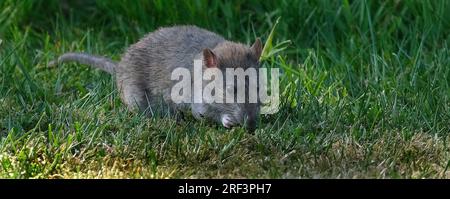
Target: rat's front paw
[{"x": 227, "y": 121}]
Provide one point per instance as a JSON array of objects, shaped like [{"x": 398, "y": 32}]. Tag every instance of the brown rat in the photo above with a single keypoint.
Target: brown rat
[{"x": 143, "y": 75}]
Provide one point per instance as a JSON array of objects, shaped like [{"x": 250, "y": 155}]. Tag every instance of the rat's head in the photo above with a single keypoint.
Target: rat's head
[{"x": 235, "y": 58}]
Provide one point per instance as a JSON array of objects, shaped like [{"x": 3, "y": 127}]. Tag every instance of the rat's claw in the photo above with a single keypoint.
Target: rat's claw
[{"x": 227, "y": 122}]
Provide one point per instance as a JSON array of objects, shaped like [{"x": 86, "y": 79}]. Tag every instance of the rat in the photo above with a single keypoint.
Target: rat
[{"x": 143, "y": 75}]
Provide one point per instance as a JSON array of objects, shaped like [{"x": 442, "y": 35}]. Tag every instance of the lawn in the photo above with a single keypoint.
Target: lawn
[{"x": 365, "y": 91}]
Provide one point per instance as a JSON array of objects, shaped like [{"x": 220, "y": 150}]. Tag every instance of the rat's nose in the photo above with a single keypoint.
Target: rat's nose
[{"x": 250, "y": 122}]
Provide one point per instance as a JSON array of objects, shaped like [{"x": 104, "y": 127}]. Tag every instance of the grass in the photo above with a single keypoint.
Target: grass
[{"x": 366, "y": 87}]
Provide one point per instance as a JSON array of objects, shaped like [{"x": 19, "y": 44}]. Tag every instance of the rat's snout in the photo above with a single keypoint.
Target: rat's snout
[
  {"x": 251, "y": 125},
  {"x": 250, "y": 122}
]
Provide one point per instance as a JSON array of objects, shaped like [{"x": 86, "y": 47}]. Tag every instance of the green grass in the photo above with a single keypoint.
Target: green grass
[{"x": 366, "y": 89}]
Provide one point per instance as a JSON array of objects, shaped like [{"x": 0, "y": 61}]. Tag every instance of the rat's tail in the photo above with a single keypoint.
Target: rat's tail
[{"x": 102, "y": 63}]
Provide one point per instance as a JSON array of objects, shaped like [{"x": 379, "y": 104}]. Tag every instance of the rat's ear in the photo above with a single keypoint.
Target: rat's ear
[
  {"x": 209, "y": 58},
  {"x": 257, "y": 48}
]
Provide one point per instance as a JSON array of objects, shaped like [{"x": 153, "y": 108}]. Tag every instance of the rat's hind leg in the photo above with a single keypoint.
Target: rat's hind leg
[
  {"x": 139, "y": 99},
  {"x": 132, "y": 95}
]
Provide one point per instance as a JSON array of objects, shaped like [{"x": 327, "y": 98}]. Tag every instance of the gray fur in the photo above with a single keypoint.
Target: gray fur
[
  {"x": 143, "y": 74},
  {"x": 102, "y": 63}
]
